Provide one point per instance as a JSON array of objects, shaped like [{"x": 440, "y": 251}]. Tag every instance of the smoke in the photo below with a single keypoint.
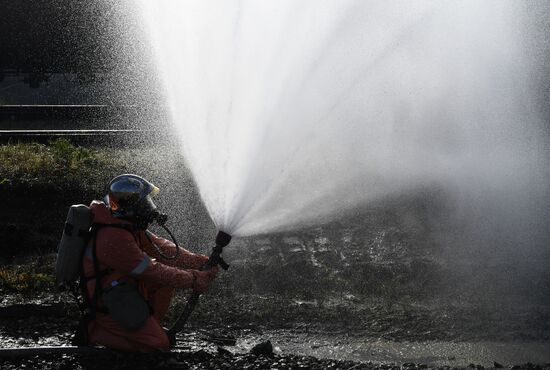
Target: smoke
[{"x": 291, "y": 113}]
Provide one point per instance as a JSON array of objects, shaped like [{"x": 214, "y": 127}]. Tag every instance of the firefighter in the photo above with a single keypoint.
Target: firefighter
[{"x": 128, "y": 281}]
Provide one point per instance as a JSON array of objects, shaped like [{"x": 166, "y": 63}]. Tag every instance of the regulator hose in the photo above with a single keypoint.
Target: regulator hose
[{"x": 159, "y": 251}]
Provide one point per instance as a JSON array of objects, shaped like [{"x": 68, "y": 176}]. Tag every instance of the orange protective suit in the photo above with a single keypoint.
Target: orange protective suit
[{"x": 132, "y": 257}]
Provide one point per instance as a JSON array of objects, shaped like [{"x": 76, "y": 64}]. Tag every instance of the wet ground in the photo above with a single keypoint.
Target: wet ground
[
  {"x": 204, "y": 348},
  {"x": 431, "y": 353},
  {"x": 226, "y": 340}
]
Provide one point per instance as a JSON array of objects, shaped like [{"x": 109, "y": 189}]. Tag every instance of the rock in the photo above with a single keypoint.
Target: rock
[
  {"x": 496, "y": 365},
  {"x": 222, "y": 351},
  {"x": 306, "y": 304},
  {"x": 351, "y": 298},
  {"x": 264, "y": 348}
]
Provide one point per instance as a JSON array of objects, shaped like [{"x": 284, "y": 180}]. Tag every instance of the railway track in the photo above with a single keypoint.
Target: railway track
[
  {"x": 125, "y": 137},
  {"x": 82, "y": 124}
]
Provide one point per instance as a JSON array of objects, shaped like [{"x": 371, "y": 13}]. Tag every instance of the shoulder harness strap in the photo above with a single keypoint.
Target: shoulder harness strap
[{"x": 99, "y": 275}]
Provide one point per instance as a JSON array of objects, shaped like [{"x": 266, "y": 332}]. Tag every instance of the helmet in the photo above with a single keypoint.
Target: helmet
[{"x": 129, "y": 198}]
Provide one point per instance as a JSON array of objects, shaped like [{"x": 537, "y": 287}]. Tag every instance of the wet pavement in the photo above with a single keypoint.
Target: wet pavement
[{"x": 431, "y": 353}]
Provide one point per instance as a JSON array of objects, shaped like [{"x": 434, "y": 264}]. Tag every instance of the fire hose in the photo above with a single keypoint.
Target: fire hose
[{"x": 215, "y": 259}]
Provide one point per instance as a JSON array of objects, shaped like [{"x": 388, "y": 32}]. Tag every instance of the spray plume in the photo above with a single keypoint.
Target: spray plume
[{"x": 293, "y": 111}]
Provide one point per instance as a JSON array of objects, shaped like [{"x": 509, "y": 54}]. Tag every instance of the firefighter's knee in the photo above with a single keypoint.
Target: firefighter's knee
[{"x": 161, "y": 342}]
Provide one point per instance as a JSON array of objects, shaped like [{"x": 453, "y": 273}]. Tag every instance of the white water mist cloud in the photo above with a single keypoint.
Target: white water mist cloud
[{"x": 292, "y": 111}]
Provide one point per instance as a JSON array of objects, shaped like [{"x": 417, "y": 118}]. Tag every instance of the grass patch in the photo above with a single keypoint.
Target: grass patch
[
  {"x": 38, "y": 183},
  {"x": 27, "y": 279},
  {"x": 58, "y": 164}
]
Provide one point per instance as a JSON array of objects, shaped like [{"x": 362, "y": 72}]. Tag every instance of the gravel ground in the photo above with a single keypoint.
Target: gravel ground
[
  {"x": 183, "y": 360},
  {"x": 208, "y": 346},
  {"x": 206, "y": 360}
]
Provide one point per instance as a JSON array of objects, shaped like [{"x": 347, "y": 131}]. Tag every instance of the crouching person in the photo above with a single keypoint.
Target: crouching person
[{"x": 128, "y": 277}]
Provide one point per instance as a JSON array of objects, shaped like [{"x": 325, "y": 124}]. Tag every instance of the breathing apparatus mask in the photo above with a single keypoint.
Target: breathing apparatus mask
[
  {"x": 146, "y": 212},
  {"x": 130, "y": 198}
]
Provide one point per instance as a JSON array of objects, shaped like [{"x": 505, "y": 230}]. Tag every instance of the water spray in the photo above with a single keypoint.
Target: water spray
[
  {"x": 222, "y": 240},
  {"x": 339, "y": 104}
]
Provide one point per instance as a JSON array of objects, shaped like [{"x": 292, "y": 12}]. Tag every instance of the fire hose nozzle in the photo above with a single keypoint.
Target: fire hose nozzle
[{"x": 222, "y": 239}]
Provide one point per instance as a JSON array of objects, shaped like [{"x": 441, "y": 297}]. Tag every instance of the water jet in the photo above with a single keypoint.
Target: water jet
[{"x": 291, "y": 113}]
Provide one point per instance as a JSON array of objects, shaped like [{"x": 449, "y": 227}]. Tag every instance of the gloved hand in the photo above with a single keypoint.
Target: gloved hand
[
  {"x": 202, "y": 259},
  {"x": 213, "y": 270},
  {"x": 202, "y": 279}
]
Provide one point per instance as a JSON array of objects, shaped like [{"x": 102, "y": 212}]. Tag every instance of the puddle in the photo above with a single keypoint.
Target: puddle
[{"x": 434, "y": 353}]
